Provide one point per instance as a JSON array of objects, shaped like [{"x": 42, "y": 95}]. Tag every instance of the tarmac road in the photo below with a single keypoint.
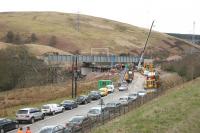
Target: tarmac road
[{"x": 62, "y": 118}]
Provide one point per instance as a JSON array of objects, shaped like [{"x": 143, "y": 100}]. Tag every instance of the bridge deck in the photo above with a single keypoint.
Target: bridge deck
[{"x": 92, "y": 58}]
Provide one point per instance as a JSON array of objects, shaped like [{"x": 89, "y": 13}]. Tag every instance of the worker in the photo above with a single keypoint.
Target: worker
[
  {"x": 28, "y": 130},
  {"x": 20, "y": 130}
]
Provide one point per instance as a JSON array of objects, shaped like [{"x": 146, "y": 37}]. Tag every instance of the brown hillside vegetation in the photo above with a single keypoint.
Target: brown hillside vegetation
[
  {"x": 35, "y": 49},
  {"x": 93, "y": 32}
]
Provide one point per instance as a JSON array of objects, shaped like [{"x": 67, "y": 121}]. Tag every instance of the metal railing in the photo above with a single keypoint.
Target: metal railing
[{"x": 115, "y": 112}]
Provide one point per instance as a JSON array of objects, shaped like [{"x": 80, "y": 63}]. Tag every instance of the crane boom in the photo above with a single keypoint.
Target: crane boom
[{"x": 142, "y": 53}]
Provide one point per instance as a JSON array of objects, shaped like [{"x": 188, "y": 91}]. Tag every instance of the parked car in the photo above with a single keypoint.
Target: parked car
[
  {"x": 133, "y": 95},
  {"x": 55, "y": 129},
  {"x": 94, "y": 95},
  {"x": 113, "y": 105},
  {"x": 29, "y": 115},
  {"x": 52, "y": 109},
  {"x": 111, "y": 88},
  {"x": 7, "y": 125},
  {"x": 98, "y": 113},
  {"x": 69, "y": 104},
  {"x": 103, "y": 91},
  {"x": 77, "y": 122},
  {"x": 83, "y": 99},
  {"x": 124, "y": 100},
  {"x": 141, "y": 93},
  {"x": 123, "y": 87}
]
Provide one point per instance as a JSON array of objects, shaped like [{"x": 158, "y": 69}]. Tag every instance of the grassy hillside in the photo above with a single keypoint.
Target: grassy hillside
[
  {"x": 175, "y": 112},
  {"x": 35, "y": 49},
  {"x": 93, "y": 33}
]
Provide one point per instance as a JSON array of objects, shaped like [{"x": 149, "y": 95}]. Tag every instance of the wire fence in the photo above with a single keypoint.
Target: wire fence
[{"x": 111, "y": 113}]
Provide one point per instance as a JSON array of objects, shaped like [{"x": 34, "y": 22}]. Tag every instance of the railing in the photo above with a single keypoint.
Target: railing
[
  {"x": 92, "y": 58},
  {"x": 115, "y": 112}
]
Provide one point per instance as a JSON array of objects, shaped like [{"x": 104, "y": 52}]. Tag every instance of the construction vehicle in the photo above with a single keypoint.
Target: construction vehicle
[
  {"x": 152, "y": 81},
  {"x": 129, "y": 75}
]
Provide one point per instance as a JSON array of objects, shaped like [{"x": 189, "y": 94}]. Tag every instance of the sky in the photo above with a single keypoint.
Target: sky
[{"x": 174, "y": 16}]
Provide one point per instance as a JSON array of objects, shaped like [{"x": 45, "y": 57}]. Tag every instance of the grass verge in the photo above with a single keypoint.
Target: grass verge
[{"x": 175, "y": 112}]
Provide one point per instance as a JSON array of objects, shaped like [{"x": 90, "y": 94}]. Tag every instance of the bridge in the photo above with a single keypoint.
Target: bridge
[{"x": 91, "y": 58}]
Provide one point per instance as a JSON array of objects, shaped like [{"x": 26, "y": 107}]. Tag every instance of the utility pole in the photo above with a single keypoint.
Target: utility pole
[
  {"x": 78, "y": 21},
  {"x": 76, "y": 76},
  {"x": 192, "y": 50},
  {"x": 72, "y": 76}
]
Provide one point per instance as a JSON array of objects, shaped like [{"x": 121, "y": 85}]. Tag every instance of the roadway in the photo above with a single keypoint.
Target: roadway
[{"x": 62, "y": 118}]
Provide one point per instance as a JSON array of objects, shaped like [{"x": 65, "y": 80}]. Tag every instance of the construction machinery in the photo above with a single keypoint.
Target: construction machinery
[{"x": 152, "y": 81}]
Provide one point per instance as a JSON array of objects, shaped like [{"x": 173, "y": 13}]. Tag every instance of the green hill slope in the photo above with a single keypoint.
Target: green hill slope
[
  {"x": 175, "y": 112},
  {"x": 93, "y": 33}
]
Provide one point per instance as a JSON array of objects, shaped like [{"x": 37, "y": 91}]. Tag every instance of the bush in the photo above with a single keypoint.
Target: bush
[
  {"x": 19, "y": 69},
  {"x": 187, "y": 68}
]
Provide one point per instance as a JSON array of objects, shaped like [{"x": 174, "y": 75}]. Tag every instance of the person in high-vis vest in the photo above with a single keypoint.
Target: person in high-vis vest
[
  {"x": 20, "y": 130},
  {"x": 28, "y": 130}
]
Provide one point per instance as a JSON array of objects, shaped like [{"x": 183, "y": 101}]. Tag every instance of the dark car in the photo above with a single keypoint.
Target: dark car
[
  {"x": 115, "y": 105},
  {"x": 69, "y": 104},
  {"x": 7, "y": 125},
  {"x": 55, "y": 129},
  {"x": 83, "y": 99},
  {"x": 76, "y": 123},
  {"x": 94, "y": 95}
]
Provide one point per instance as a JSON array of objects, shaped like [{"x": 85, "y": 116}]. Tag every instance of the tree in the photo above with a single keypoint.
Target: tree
[
  {"x": 17, "y": 39},
  {"x": 53, "y": 41},
  {"x": 33, "y": 37},
  {"x": 10, "y": 37}
]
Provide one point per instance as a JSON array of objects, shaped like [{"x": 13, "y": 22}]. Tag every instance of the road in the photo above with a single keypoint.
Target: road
[{"x": 62, "y": 118}]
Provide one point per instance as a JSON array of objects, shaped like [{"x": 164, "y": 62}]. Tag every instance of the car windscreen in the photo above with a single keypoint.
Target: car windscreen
[
  {"x": 66, "y": 102},
  {"x": 123, "y": 98},
  {"x": 46, "y": 130},
  {"x": 94, "y": 111},
  {"x": 76, "y": 120},
  {"x": 110, "y": 105},
  {"x": 22, "y": 112},
  {"x": 45, "y": 107}
]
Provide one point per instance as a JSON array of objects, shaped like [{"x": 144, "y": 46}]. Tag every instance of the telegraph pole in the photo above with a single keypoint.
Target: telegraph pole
[
  {"x": 72, "y": 76},
  {"x": 76, "y": 76}
]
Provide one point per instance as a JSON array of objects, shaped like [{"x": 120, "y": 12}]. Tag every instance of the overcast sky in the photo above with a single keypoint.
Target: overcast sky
[{"x": 170, "y": 15}]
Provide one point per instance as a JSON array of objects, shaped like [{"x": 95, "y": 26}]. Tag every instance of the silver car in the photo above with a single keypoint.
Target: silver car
[
  {"x": 55, "y": 129},
  {"x": 123, "y": 87},
  {"x": 29, "y": 115}
]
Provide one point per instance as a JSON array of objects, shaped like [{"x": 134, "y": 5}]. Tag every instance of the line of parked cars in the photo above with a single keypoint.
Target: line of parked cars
[{"x": 30, "y": 115}]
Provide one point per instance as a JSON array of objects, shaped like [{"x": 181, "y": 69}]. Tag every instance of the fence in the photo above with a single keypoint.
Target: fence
[{"x": 115, "y": 112}]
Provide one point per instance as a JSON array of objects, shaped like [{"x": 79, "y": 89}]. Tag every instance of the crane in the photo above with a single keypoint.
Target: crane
[{"x": 142, "y": 53}]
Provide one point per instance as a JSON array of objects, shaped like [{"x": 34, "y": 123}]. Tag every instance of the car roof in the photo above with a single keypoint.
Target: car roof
[
  {"x": 50, "y": 126},
  {"x": 50, "y": 104},
  {"x": 96, "y": 108},
  {"x": 78, "y": 116},
  {"x": 2, "y": 119},
  {"x": 27, "y": 108},
  {"x": 124, "y": 96},
  {"x": 113, "y": 102}
]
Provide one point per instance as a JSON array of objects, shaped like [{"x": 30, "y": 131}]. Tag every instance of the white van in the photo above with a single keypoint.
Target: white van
[
  {"x": 111, "y": 88},
  {"x": 52, "y": 109}
]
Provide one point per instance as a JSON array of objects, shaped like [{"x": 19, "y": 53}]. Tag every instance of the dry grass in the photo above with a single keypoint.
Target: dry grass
[
  {"x": 36, "y": 49},
  {"x": 10, "y": 101},
  {"x": 93, "y": 33}
]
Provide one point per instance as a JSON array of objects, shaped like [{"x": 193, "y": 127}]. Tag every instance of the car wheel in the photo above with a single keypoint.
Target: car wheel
[
  {"x": 43, "y": 117},
  {"x": 85, "y": 102},
  {"x": 63, "y": 110},
  {"x": 53, "y": 113},
  {"x": 16, "y": 125},
  {"x": 2, "y": 131},
  {"x": 71, "y": 108},
  {"x": 32, "y": 120}
]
